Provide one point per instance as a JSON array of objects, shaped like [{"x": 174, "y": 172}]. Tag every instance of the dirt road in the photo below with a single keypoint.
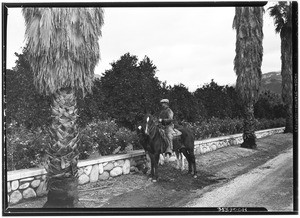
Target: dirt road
[
  {"x": 176, "y": 189},
  {"x": 269, "y": 186}
]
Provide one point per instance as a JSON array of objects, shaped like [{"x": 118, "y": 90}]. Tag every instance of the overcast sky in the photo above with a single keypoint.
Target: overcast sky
[{"x": 187, "y": 45}]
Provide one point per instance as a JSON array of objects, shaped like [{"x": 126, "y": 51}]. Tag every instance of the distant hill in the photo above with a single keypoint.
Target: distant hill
[{"x": 271, "y": 81}]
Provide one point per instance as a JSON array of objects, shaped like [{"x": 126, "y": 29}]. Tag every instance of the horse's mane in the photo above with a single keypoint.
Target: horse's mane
[
  {"x": 156, "y": 133},
  {"x": 143, "y": 138}
]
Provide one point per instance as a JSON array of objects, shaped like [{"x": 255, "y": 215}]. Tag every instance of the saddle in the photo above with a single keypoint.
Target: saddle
[
  {"x": 176, "y": 133},
  {"x": 176, "y": 137}
]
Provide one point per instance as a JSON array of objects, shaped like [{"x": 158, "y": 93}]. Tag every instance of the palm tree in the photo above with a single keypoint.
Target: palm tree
[
  {"x": 248, "y": 22},
  {"x": 63, "y": 51},
  {"x": 282, "y": 14}
]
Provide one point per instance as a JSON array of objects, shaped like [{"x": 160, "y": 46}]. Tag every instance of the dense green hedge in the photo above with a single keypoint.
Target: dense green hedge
[
  {"x": 25, "y": 148},
  {"x": 219, "y": 127}
]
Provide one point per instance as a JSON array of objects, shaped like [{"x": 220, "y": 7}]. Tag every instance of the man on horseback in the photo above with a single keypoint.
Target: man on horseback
[{"x": 166, "y": 119}]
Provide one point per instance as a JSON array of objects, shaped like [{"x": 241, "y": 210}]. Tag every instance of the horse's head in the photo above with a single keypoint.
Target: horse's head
[
  {"x": 143, "y": 133},
  {"x": 143, "y": 126},
  {"x": 149, "y": 121}
]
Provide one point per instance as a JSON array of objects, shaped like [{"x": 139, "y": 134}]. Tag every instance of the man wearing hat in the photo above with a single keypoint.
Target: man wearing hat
[{"x": 166, "y": 118}]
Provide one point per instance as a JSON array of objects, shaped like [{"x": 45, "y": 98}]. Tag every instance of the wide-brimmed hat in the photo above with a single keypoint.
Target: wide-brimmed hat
[{"x": 165, "y": 101}]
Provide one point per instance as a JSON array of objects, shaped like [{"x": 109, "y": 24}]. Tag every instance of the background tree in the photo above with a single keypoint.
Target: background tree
[
  {"x": 184, "y": 104},
  {"x": 63, "y": 51},
  {"x": 24, "y": 105},
  {"x": 248, "y": 22},
  {"x": 130, "y": 90},
  {"x": 219, "y": 101},
  {"x": 153, "y": 86},
  {"x": 282, "y": 14},
  {"x": 235, "y": 106},
  {"x": 91, "y": 107},
  {"x": 269, "y": 106}
]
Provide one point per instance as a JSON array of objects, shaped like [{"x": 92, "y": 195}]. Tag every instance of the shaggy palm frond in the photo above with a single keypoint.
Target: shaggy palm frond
[
  {"x": 248, "y": 22},
  {"x": 282, "y": 14},
  {"x": 63, "y": 46}
]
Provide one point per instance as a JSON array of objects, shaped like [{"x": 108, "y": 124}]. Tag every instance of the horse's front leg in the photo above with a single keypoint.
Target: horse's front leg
[
  {"x": 148, "y": 162},
  {"x": 152, "y": 160},
  {"x": 178, "y": 156},
  {"x": 156, "y": 159}
]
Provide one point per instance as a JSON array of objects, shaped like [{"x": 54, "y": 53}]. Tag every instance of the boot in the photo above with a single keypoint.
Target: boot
[
  {"x": 167, "y": 157},
  {"x": 168, "y": 151},
  {"x": 168, "y": 154}
]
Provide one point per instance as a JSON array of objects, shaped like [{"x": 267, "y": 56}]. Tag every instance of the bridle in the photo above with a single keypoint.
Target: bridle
[{"x": 150, "y": 127}]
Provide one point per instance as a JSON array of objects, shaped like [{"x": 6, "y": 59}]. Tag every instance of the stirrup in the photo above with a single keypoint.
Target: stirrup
[{"x": 168, "y": 153}]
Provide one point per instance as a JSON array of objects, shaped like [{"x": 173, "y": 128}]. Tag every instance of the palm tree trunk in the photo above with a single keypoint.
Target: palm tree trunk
[
  {"x": 249, "y": 128},
  {"x": 286, "y": 73},
  {"x": 248, "y": 23},
  {"x": 62, "y": 178},
  {"x": 289, "y": 119}
]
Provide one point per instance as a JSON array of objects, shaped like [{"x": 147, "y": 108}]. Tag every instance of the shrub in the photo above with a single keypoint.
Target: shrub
[
  {"x": 268, "y": 124},
  {"x": 124, "y": 137},
  {"x": 105, "y": 136},
  {"x": 25, "y": 148},
  {"x": 98, "y": 135}
]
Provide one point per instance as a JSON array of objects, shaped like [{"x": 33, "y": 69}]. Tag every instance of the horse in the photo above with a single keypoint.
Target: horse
[{"x": 153, "y": 139}]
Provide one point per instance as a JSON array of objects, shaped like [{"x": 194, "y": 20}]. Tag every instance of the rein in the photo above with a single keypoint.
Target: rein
[{"x": 152, "y": 130}]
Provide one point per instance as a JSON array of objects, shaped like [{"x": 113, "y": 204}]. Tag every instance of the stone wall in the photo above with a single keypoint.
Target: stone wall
[
  {"x": 28, "y": 183},
  {"x": 208, "y": 145},
  {"x": 25, "y": 188}
]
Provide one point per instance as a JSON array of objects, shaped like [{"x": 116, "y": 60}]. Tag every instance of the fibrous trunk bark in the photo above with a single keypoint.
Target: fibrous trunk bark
[
  {"x": 249, "y": 128},
  {"x": 62, "y": 177},
  {"x": 287, "y": 81}
]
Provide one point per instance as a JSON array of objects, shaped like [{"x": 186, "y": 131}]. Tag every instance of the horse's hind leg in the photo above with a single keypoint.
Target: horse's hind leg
[
  {"x": 178, "y": 157},
  {"x": 186, "y": 153},
  {"x": 193, "y": 162},
  {"x": 182, "y": 161},
  {"x": 161, "y": 159}
]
